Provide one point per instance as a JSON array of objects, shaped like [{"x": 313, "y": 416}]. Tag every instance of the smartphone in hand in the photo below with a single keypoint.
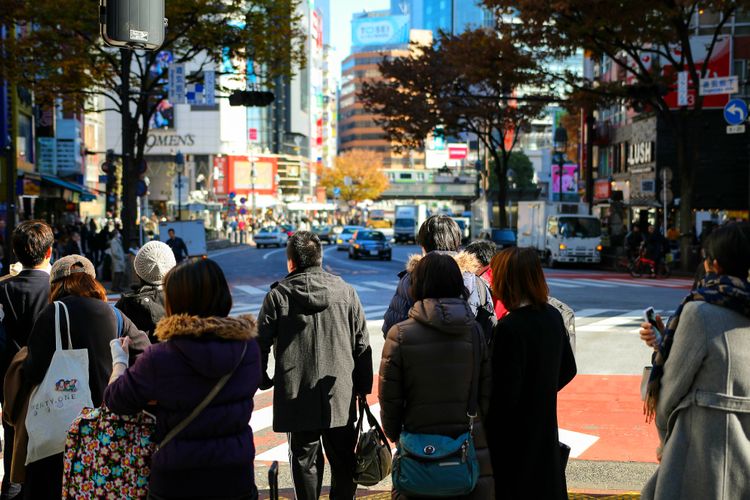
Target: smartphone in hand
[{"x": 650, "y": 316}]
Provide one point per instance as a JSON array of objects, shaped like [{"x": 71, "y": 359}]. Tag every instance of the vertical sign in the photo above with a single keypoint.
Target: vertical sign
[
  {"x": 252, "y": 134},
  {"x": 177, "y": 83},
  {"x": 209, "y": 86},
  {"x": 682, "y": 88}
]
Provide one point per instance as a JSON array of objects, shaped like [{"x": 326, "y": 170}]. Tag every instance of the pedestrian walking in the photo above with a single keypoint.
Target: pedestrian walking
[
  {"x": 427, "y": 369},
  {"x": 177, "y": 245},
  {"x": 323, "y": 362},
  {"x": 656, "y": 246},
  {"x": 117, "y": 253},
  {"x": 200, "y": 345},
  {"x": 633, "y": 241},
  {"x": 91, "y": 324},
  {"x": 698, "y": 387},
  {"x": 532, "y": 360},
  {"x": 22, "y": 299},
  {"x": 145, "y": 305},
  {"x": 440, "y": 233}
]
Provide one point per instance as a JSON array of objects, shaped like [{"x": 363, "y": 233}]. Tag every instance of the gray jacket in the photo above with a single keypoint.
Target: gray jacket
[
  {"x": 703, "y": 411},
  {"x": 316, "y": 325},
  {"x": 398, "y": 309}
]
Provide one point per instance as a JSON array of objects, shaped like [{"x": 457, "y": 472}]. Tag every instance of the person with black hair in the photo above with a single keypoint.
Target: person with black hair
[
  {"x": 22, "y": 299},
  {"x": 316, "y": 325},
  {"x": 699, "y": 389},
  {"x": 440, "y": 233},
  {"x": 177, "y": 245},
  {"x": 427, "y": 367}
]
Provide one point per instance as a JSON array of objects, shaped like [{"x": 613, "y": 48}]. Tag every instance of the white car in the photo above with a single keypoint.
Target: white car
[{"x": 271, "y": 235}]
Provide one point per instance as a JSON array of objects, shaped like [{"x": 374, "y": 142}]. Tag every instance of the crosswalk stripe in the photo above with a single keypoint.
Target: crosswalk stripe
[
  {"x": 621, "y": 282},
  {"x": 261, "y": 419},
  {"x": 250, "y": 290},
  {"x": 611, "y": 322},
  {"x": 384, "y": 286},
  {"x": 594, "y": 283},
  {"x": 586, "y": 313},
  {"x": 562, "y": 284}
]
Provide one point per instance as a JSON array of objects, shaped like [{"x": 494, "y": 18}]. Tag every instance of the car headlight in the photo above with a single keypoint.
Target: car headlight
[
  {"x": 338, "y": 241},
  {"x": 356, "y": 245},
  {"x": 563, "y": 246}
]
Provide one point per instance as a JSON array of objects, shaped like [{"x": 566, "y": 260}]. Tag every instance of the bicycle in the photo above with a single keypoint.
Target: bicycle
[{"x": 643, "y": 265}]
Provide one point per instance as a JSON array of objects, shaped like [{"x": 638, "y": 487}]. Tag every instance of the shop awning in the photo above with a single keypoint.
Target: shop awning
[{"x": 85, "y": 193}]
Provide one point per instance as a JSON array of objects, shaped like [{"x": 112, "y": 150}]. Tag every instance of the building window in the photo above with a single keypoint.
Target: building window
[{"x": 741, "y": 71}]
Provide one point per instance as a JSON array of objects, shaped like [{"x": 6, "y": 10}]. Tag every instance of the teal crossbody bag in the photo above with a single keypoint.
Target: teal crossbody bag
[{"x": 440, "y": 466}]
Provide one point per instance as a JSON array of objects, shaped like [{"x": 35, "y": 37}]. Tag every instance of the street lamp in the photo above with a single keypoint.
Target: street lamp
[
  {"x": 179, "y": 161},
  {"x": 510, "y": 174},
  {"x": 560, "y": 145}
]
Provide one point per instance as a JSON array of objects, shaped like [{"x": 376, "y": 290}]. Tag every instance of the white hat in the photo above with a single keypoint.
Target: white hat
[{"x": 153, "y": 262}]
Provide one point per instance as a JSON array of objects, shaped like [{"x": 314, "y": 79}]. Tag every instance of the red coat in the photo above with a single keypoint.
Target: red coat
[{"x": 500, "y": 309}]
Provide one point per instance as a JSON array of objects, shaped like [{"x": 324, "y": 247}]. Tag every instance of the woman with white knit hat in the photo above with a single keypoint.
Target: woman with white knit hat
[{"x": 145, "y": 306}]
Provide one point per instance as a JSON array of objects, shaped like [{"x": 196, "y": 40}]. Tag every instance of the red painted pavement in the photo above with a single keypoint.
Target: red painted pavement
[{"x": 608, "y": 406}]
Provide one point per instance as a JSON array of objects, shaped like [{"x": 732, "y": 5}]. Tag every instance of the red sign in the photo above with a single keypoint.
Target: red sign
[
  {"x": 252, "y": 134},
  {"x": 602, "y": 189},
  {"x": 220, "y": 174},
  {"x": 457, "y": 151}
]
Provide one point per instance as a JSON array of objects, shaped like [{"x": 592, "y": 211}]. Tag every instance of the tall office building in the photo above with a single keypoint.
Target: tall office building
[{"x": 454, "y": 16}]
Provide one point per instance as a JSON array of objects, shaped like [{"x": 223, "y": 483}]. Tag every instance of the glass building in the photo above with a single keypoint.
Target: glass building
[{"x": 453, "y": 16}]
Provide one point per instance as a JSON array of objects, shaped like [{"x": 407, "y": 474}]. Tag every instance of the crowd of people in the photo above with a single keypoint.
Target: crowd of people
[{"x": 474, "y": 346}]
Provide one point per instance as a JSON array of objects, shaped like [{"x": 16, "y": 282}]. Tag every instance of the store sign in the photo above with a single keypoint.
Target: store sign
[
  {"x": 458, "y": 151},
  {"x": 169, "y": 141},
  {"x": 640, "y": 153},
  {"x": 387, "y": 30}
]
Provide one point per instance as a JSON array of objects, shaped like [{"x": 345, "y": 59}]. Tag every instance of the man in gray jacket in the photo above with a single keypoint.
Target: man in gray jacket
[{"x": 316, "y": 324}]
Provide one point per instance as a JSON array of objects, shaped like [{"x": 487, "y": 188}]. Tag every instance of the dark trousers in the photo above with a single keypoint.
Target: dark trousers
[
  {"x": 44, "y": 479},
  {"x": 306, "y": 460}
]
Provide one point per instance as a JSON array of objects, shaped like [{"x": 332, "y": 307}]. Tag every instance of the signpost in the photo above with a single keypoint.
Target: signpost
[
  {"x": 719, "y": 85},
  {"x": 735, "y": 114},
  {"x": 682, "y": 88}
]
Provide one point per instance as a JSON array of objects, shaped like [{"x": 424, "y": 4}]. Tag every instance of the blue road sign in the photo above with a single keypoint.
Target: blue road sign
[
  {"x": 735, "y": 112},
  {"x": 337, "y": 191}
]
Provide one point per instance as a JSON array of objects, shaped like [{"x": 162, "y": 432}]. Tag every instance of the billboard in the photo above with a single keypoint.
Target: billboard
[
  {"x": 568, "y": 183},
  {"x": 382, "y": 31},
  {"x": 241, "y": 179}
]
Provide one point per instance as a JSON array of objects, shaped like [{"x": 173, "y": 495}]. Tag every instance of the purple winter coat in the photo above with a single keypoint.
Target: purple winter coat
[{"x": 213, "y": 456}]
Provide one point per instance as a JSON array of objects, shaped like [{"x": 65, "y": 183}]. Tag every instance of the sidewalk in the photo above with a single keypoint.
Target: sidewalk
[{"x": 586, "y": 479}]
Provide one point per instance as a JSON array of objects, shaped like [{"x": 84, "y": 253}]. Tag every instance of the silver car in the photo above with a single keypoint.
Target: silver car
[
  {"x": 346, "y": 234},
  {"x": 271, "y": 235}
]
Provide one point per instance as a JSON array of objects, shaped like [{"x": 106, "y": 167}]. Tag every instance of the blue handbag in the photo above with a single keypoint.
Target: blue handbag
[{"x": 440, "y": 466}]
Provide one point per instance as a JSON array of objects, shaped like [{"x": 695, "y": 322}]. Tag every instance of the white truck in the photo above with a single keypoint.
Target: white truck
[
  {"x": 560, "y": 232},
  {"x": 192, "y": 232},
  {"x": 408, "y": 219}
]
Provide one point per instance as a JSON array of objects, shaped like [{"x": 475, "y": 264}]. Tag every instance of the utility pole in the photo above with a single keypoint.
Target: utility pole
[
  {"x": 590, "y": 161},
  {"x": 179, "y": 161},
  {"x": 128, "y": 184}
]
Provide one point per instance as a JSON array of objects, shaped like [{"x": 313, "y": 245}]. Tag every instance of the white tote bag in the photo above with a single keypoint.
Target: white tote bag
[{"x": 59, "y": 399}]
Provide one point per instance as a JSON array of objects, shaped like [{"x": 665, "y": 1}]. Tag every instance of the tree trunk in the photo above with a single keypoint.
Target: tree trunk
[
  {"x": 129, "y": 178},
  {"x": 502, "y": 188},
  {"x": 685, "y": 168}
]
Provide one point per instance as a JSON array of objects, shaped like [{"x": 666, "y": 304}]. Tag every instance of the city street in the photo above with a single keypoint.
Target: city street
[{"x": 600, "y": 412}]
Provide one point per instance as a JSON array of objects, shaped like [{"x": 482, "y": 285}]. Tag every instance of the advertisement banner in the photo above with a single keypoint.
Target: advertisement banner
[
  {"x": 242, "y": 175},
  {"x": 568, "y": 183},
  {"x": 386, "y": 30}
]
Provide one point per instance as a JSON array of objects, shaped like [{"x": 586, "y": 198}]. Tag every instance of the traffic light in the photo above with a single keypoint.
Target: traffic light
[
  {"x": 133, "y": 24},
  {"x": 251, "y": 98}
]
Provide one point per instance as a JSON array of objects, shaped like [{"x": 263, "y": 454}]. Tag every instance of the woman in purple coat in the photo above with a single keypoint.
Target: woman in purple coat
[{"x": 211, "y": 458}]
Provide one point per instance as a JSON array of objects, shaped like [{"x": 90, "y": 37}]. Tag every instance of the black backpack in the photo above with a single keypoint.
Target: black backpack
[{"x": 486, "y": 319}]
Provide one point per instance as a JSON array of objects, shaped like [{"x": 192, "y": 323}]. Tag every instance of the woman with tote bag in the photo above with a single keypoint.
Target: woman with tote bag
[{"x": 70, "y": 364}]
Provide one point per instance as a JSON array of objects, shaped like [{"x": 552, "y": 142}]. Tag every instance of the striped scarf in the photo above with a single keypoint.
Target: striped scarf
[{"x": 725, "y": 291}]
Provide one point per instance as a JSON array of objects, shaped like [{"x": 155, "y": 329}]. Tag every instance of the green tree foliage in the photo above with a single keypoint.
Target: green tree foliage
[
  {"x": 473, "y": 83},
  {"x": 522, "y": 172},
  {"x": 58, "y": 53},
  {"x": 639, "y": 38}
]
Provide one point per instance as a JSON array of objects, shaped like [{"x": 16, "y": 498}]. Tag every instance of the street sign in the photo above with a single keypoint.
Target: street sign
[
  {"x": 347, "y": 181},
  {"x": 177, "y": 83},
  {"x": 252, "y": 134},
  {"x": 719, "y": 85},
  {"x": 735, "y": 112},
  {"x": 682, "y": 88},
  {"x": 337, "y": 191},
  {"x": 209, "y": 85},
  {"x": 735, "y": 129}
]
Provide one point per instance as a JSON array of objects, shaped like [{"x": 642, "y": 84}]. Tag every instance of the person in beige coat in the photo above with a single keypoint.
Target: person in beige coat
[
  {"x": 701, "y": 390},
  {"x": 428, "y": 364}
]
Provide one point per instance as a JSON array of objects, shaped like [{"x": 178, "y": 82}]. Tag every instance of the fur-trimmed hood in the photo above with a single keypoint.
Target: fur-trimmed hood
[
  {"x": 467, "y": 262},
  {"x": 181, "y": 325}
]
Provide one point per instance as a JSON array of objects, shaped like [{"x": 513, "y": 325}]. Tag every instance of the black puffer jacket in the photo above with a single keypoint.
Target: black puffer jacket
[
  {"x": 425, "y": 378},
  {"x": 144, "y": 307}
]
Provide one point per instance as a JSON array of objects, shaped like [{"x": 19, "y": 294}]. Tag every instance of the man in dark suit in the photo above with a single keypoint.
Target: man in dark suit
[
  {"x": 22, "y": 299},
  {"x": 177, "y": 245}
]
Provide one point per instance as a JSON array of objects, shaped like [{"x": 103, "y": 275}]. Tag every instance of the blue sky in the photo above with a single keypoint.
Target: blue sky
[{"x": 341, "y": 28}]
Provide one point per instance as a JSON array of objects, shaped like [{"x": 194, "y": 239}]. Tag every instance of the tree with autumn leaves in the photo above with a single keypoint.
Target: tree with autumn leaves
[
  {"x": 58, "y": 54},
  {"x": 641, "y": 39},
  {"x": 474, "y": 83},
  {"x": 357, "y": 174}
]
